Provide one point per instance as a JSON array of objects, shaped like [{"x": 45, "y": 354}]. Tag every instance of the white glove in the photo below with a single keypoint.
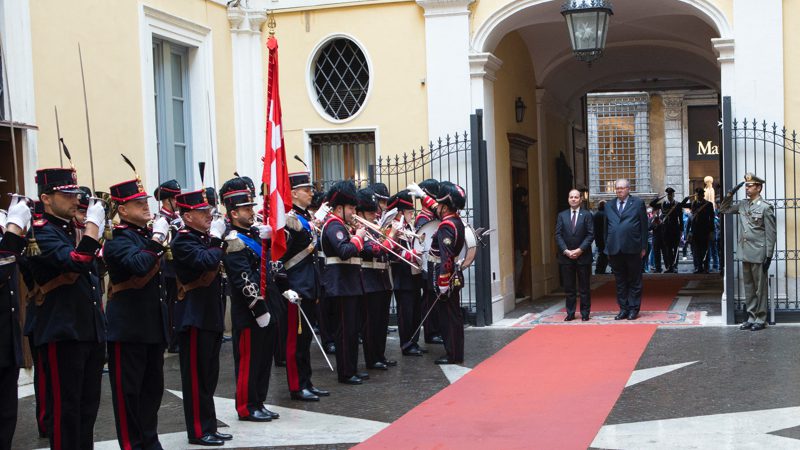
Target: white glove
[
  {"x": 292, "y": 296},
  {"x": 161, "y": 226},
  {"x": 96, "y": 214},
  {"x": 19, "y": 215},
  {"x": 263, "y": 320},
  {"x": 443, "y": 289},
  {"x": 177, "y": 222},
  {"x": 3, "y": 218},
  {"x": 415, "y": 190},
  {"x": 264, "y": 232},
  {"x": 217, "y": 227}
]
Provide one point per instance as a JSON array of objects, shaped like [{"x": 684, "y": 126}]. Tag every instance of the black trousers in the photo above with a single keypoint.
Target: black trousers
[
  {"x": 409, "y": 314},
  {"x": 433, "y": 324},
  {"x": 172, "y": 297},
  {"x": 326, "y": 321},
  {"x": 627, "y": 269},
  {"x": 252, "y": 356},
  {"x": 375, "y": 307},
  {"x": 278, "y": 312},
  {"x": 74, "y": 370},
  {"x": 602, "y": 261},
  {"x": 199, "y": 355},
  {"x": 451, "y": 319},
  {"x": 670, "y": 249},
  {"x": 658, "y": 250},
  {"x": 8, "y": 399},
  {"x": 346, "y": 336},
  {"x": 298, "y": 345},
  {"x": 576, "y": 278},
  {"x": 39, "y": 386},
  {"x": 136, "y": 372},
  {"x": 700, "y": 251}
]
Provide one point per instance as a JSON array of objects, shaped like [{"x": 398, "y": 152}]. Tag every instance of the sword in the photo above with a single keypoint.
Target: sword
[
  {"x": 293, "y": 296},
  {"x": 433, "y": 305},
  {"x": 58, "y": 132},
  {"x": 86, "y": 110},
  {"x": 10, "y": 116}
]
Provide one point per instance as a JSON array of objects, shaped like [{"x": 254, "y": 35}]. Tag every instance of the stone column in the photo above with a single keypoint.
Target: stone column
[
  {"x": 677, "y": 165},
  {"x": 248, "y": 89}
]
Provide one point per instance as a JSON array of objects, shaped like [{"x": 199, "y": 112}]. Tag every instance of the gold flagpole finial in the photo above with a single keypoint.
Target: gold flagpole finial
[{"x": 271, "y": 23}]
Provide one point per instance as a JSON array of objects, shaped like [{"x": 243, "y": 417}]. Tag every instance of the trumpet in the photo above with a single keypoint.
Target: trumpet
[
  {"x": 374, "y": 227},
  {"x": 167, "y": 239}
]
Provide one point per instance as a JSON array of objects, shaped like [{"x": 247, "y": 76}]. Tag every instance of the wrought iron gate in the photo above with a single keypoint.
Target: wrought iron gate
[
  {"x": 773, "y": 153},
  {"x": 461, "y": 159}
]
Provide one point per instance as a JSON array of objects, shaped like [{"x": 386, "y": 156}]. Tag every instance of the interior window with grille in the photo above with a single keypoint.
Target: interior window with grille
[
  {"x": 171, "y": 81},
  {"x": 342, "y": 156},
  {"x": 619, "y": 142},
  {"x": 340, "y": 78}
]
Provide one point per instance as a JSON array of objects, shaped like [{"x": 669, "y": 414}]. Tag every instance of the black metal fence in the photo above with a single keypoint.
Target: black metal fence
[{"x": 772, "y": 153}]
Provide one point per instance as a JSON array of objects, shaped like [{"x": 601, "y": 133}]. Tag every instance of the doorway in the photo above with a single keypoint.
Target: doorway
[{"x": 520, "y": 194}]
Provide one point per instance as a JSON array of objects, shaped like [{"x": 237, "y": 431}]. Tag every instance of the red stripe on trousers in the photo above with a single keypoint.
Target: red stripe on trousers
[
  {"x": 291, "y": 349},
  {"x": 121, "y": 413},
  {"x": 55, "y": 384},
  {"x": 42, "y": 398},
  {"x": 243, "y": 380},
  {"x": 198, "y": 430}
]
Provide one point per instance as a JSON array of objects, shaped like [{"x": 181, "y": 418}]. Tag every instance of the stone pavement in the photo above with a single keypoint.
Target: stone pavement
[{"x": 702, "y": 386}]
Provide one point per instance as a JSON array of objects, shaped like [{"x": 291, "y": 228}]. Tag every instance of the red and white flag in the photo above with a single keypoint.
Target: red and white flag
[{"x": 275, "y": 175}]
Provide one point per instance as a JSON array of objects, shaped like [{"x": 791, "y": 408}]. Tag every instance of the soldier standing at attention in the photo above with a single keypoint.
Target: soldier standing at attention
[
  {"x": 432, "y": 327},
  {"x": 757, "y": 236},
  {"x": 137, "y": 317},
  {"x": 254, "y": 332},
  {"x": 12, "y": 244},
  {"x": 198, "y": 250},
  {"x": 342, "y": 276},
  {"x": 299, "y": 261},
  {"x": 70, "y": 324},
  {"x": 165, "y": 193}
]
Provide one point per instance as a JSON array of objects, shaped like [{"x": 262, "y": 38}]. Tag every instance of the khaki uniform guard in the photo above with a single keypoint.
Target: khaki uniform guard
[{"x": 757, "y": 235}]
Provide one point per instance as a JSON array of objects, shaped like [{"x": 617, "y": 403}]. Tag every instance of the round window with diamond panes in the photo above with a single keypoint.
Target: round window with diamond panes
[{"x": 341, "y": 78}]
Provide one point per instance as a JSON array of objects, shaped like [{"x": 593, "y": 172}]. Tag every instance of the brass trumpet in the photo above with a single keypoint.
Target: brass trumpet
[{"x": 374, "y": 227}]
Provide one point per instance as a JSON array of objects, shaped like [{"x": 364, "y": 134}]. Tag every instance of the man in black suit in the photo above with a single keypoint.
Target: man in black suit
[
  {"x": 574, "y": 234},
  {"x": 600, "y": 238},
  {"x": 626, "y": 245}
]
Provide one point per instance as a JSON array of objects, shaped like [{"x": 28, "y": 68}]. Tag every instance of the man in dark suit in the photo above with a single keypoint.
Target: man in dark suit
[
  {"x": 600, "y": 238},
  {"x": 574, "y": 234},
  {"x": 626, "y": 245}
]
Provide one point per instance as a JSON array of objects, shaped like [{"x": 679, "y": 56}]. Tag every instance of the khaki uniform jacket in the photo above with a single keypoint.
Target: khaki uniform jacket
[{"x": 757, "y": 229}]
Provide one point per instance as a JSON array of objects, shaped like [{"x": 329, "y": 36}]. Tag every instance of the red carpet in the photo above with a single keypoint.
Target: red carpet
[
  {"x": 657, "y": 295},
  {"x": 552, "y": 388}
]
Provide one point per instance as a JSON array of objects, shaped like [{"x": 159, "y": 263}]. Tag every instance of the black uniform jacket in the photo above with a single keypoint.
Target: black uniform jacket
[
  {"x": 375, "y": 280},
  {"x": 197, "y": 257},
  {"x": 340, "y": 280},
  {"x": 168, "y": 267},
  {"x": 10, "y": 346},
  {"x": 72, "y": 310},
  {"x": 303, "y": 277},
  {"x": 403, "y": 277},
  {"x": 449, "y": 242},
  {"x": 242, "y": 260},
  {"x": 135, "y": 314}
]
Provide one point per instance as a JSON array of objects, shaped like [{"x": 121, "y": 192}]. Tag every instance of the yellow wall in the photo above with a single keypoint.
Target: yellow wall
[
  {"x": 516, "y": 78},
  {"x": 397, "y": 103},
  {"x": 109, "y": 38}
]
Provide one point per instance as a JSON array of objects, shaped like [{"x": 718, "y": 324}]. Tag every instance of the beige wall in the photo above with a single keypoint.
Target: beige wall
[
  {"x": 109, "y": 38},
  {"x": 514, "y": 79},
  {"x": 397, "y": 103},
  {"x": 658, "y": 150}
]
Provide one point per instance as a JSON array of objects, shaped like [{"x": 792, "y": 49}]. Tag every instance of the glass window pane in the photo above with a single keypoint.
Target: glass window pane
[
  {"x": 177, "y": 75},
  {"x": 177, "y": 121},
  {"x": 180, "y": 164}
]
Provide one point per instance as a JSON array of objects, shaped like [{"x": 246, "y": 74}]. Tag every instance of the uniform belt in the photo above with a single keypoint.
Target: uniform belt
[
  {"x": 374, "y": 265},
  {"x": 337, "y": 260},
  {"x": 133, "y": 282},
  {"x": 434, "y": 259},
  {"x": 298, "y": 258},
  {"x": 414, "y": 270}
]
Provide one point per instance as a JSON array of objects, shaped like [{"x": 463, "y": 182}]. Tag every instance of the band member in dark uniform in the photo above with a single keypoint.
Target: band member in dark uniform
[
  {"x": 253, "y": 330},
  {"x": 342, "y": 276},
  {"x": 137, "y": 317},
  {"x": 198, "y": 250},
  {"x": 70, "y": 324},
  {"x": 381, "y": 192},
  {"x": 702, "y": 227},
  {"x": 302, "y": 276},
  {"x": 326, "y": 314},
  {"x": 432, "y": 327},
  {"x": 165, "y": 193},
  {"x": 672, "y": 223},
  {"x": 11, "y": 246},
  {"x": 377, "y": 286},
  {"x": 447, "y": 245},
  {"x": 407, "y": 280}
]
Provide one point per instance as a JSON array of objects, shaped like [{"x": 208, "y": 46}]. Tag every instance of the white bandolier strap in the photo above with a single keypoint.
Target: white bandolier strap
[
  {"x": 299, "y": 257},
  {"x": 434, "y": 259},
  {"x": 336, "y": 260},
  {"x": 374, "y": 265}
]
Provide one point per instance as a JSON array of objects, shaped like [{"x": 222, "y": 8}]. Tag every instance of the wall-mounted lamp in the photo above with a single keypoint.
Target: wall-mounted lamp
[{"x": 519, "y": 109}]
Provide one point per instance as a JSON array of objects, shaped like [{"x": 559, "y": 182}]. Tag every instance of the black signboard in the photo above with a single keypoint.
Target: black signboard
[{"x": 704, "y": 133}]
